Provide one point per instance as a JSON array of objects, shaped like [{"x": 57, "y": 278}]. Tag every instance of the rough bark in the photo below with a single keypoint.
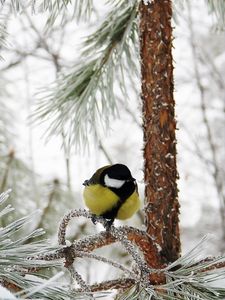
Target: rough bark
[{"x": 159, "y": 125}]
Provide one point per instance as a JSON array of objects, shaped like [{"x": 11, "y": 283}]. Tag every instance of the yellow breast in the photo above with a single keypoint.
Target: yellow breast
[
  {"x": 100, "y": 199},
  {"x": 129, "y": 207}
]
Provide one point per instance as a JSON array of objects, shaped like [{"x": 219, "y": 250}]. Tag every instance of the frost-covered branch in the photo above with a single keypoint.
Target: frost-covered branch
[
  {"x": 118, "y": 284},
  {"x": 81, "y": 9},
  {"x": 86, "y": 92},
  {"x": 180, "y": 275},
  {"x": 218, "y": 7},
  {"x": 188, "y": 276}
]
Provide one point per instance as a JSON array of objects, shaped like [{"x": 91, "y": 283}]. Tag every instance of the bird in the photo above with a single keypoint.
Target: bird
[{"x": 112, "y": 193}]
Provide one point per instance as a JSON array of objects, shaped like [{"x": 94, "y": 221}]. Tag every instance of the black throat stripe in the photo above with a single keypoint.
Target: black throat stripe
[{"x": 123, "y": 193}]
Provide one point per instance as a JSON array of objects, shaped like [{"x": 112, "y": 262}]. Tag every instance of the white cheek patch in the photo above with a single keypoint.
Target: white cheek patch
[{"x": 114, "y": 183}]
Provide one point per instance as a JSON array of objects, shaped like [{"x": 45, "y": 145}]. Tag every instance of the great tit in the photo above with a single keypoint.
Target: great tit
[{"x": 112, "y": 193}]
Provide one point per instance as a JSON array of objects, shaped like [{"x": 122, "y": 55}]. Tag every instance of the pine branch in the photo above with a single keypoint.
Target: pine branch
[
  {"x": 14, "y": 253},
  {"x": 83, "y": 99},
  {"x": 186, "y": 278},
  {"x": 118, "y": 284},
  {"x": 125, "y": 235},
  {"x": 107, "y": 261},
  {"x": 76, "y": 277},
  {"x": 218, "y": 7},
  {"x": 18, "y": 259},
  {"x": 81, "y": 9}
]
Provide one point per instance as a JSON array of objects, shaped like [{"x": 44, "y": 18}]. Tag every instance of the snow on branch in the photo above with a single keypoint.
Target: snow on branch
[
  {"x": 182, "y": 273},
  {"x": 188, "y": 276},
  {"x": 81, "y": 92}
]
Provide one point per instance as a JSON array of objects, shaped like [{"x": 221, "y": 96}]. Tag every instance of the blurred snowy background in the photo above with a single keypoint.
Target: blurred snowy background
[{"x": 44, "y": 174}]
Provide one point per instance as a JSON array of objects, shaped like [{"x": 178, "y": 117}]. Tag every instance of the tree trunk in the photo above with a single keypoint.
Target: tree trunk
[{"x": 159, "y": 125}]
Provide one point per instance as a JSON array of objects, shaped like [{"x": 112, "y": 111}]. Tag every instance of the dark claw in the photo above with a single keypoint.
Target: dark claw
[
  {"x": 94, "y": 219},
  {"x": 107, "y": 224}
]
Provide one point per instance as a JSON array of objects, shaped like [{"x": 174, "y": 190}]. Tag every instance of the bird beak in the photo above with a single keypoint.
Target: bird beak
[{"x": 85, "y": 183}]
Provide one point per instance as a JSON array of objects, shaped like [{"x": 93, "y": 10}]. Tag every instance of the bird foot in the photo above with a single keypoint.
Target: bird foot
[
  {"x": 107, "y": 224},
  {"x": 94, "y": 219}
]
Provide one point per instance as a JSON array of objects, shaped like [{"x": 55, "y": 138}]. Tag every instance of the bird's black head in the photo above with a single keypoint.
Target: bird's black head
[
  {"x": 119, "y": 171},
  {"x": 116, "y": 175}
]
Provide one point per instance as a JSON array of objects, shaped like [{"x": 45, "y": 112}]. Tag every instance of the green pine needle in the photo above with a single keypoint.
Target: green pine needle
[
  {"x": 83, "y": 100},
  {"x": 218, "y": 7}
]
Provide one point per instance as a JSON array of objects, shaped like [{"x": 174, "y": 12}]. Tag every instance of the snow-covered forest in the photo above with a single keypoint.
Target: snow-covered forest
[{"x": 49, "y": 145}]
